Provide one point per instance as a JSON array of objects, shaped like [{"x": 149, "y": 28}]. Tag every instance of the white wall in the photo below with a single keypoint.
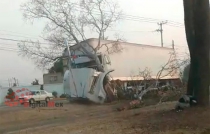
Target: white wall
[{"x": 48, "y": 87}]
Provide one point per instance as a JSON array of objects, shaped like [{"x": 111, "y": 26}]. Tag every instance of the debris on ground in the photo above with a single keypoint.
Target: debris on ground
[
  {"x": 109, "y": 92},
  {"x": 130, "y": 105},
  {"x": 184, "y": 102}
]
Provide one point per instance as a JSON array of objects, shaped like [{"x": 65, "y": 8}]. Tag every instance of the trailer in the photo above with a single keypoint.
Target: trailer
[{"x": 121, "y": 61}]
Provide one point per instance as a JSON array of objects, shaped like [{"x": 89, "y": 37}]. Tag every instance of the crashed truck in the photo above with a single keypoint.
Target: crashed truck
[{"x": 120, "y": 61}]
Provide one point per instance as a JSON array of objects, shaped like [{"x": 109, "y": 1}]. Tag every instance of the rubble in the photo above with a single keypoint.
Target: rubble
[
  {"x": 130, "y": 105},
  {"x": 184, "y": 102},
  {"x": 110, "y": 95}
]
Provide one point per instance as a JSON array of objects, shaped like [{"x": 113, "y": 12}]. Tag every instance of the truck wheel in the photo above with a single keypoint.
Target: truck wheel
[
  {"x": 47, "y": 99},
  {"x": 31, "y": 101}
]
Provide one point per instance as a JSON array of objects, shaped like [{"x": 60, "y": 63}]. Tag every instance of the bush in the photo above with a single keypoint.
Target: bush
[
  {"x": 162, "y": 95},
  {"x": 63, "y": 96},
  {"x": 120, "y": 94},
  {"x": 55, "y": 94},
  {"x": 11, "y": 94}
]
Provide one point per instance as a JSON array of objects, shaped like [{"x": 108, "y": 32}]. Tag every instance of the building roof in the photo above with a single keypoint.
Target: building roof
[{"x": 141, "y": 78}]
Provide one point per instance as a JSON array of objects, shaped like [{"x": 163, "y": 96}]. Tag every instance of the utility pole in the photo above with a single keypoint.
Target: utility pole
[
  {"x": 173, "y": 44},
  {"x": 69, "y": 53},
  {"x": 70, "y": 69},
  {"x": 9, "y": 82},
  {"x": 17, "y": 83},
  {"x": 161, "y": 30}
]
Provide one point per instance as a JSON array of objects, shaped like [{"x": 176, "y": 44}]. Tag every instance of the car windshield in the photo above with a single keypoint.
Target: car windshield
[{"x": 32, "y": 92}]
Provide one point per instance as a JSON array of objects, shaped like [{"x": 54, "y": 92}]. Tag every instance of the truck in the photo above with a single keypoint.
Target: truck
[{"x": 120, "y": 60}]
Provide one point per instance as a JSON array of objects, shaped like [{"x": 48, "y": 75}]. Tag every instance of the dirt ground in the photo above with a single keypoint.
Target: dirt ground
[{"x": 104, "y": 119}]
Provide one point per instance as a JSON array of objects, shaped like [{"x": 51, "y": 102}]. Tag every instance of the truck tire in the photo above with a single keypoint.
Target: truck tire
[
  {"x": 47, "y": 99},
  {"x": 31, "y": 101}
]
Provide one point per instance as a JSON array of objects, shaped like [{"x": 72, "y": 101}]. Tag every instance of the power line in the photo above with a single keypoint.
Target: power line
[
  {"x": 17, "y": 33},
  {"x": 130, "y": 17},
  {"x": 30, "y": 46},
  {"x": 16, "y": 50},
  {"x": 129, "y": 31},
  {"x": 20, "y": 40},
  {"x": 12, "y": 50},
  {"x": 48, "y": 46},
  {"x": 20, "y": 36}
]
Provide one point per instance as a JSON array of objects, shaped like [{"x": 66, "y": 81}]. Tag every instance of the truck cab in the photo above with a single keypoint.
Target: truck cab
[
  {"x": 84, "y": 80},
  {"x": 82, "y": 61}
]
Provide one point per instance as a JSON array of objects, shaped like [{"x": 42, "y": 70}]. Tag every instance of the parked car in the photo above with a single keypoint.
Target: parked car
[{"x": 36, "y": 96}]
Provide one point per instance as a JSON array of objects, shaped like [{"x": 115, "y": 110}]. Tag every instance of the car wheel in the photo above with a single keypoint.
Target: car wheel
[
  {"x": 31, "y": 101},
  {"x": 47, "y": 99}
]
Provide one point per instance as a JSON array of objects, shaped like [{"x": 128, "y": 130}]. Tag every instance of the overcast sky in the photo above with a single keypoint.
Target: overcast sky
[{"x": 13, "y": 26}]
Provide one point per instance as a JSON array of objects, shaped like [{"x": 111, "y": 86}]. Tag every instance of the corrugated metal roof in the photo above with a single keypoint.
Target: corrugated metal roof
[{"x": 141, "y": 78}]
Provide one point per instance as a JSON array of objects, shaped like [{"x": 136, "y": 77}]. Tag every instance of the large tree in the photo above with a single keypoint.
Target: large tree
[
  {"x": 68, "y": 19},
  {"x": 196, "y": 15}
]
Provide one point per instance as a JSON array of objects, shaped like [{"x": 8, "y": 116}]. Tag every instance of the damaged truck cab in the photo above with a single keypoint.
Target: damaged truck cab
[{"x": 84, "y": 80}]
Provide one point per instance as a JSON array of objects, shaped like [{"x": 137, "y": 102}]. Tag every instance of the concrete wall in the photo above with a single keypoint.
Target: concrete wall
[
  {"x": 47, "y": 78},
  {"x": 48, "y": 87}
]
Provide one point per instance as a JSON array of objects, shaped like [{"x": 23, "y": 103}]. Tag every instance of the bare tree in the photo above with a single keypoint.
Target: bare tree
[
  {"x": 42, "y": 56},
  {"x": 168, "y": 69},
  {"x": 151, "y": 83},
  {"x": 69, "y": 19}
]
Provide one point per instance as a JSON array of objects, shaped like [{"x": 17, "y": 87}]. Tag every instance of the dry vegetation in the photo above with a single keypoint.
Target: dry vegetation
[{"x": 105, "y": 119}]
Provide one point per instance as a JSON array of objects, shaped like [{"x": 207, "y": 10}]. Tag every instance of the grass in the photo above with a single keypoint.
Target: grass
[{"x": 104, "y": 119}]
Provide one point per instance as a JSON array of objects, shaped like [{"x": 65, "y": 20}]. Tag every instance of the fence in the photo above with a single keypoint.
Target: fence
[{"x": 48, "y": 87}]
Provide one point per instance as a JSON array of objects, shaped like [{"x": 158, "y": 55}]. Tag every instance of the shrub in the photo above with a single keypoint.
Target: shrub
[
  {"x": 11, "y": 94},
  {"x": 120, "y": 94},
  {"x": 63, "y": 96},
  {"x": 162, "y": 95},
  {"x": 55, "y": 94}
]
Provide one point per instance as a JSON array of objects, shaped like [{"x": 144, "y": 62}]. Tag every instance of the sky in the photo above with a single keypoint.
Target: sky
[{"x": 134, "y": 28}]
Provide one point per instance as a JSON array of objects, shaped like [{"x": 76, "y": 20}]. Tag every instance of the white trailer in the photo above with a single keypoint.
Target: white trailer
[{"x": 126, "y": 59}]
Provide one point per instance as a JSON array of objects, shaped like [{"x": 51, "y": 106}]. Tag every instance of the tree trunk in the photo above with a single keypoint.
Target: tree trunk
[
  {"x": 94, "y": 57},
  {"x": 190, "y": 90},
  {"x": 189, "y": 30},
  {"x": 197, "y": 11},
  {"x": 200, "y": 60}
]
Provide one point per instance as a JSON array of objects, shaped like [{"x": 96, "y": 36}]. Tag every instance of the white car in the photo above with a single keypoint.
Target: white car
[{"x": 36, "y": 96}]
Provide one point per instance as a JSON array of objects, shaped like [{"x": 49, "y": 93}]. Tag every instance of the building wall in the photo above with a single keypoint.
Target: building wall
[
  {"x": 53, "y": 78},
  {"x": 48, "y": 87}
]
